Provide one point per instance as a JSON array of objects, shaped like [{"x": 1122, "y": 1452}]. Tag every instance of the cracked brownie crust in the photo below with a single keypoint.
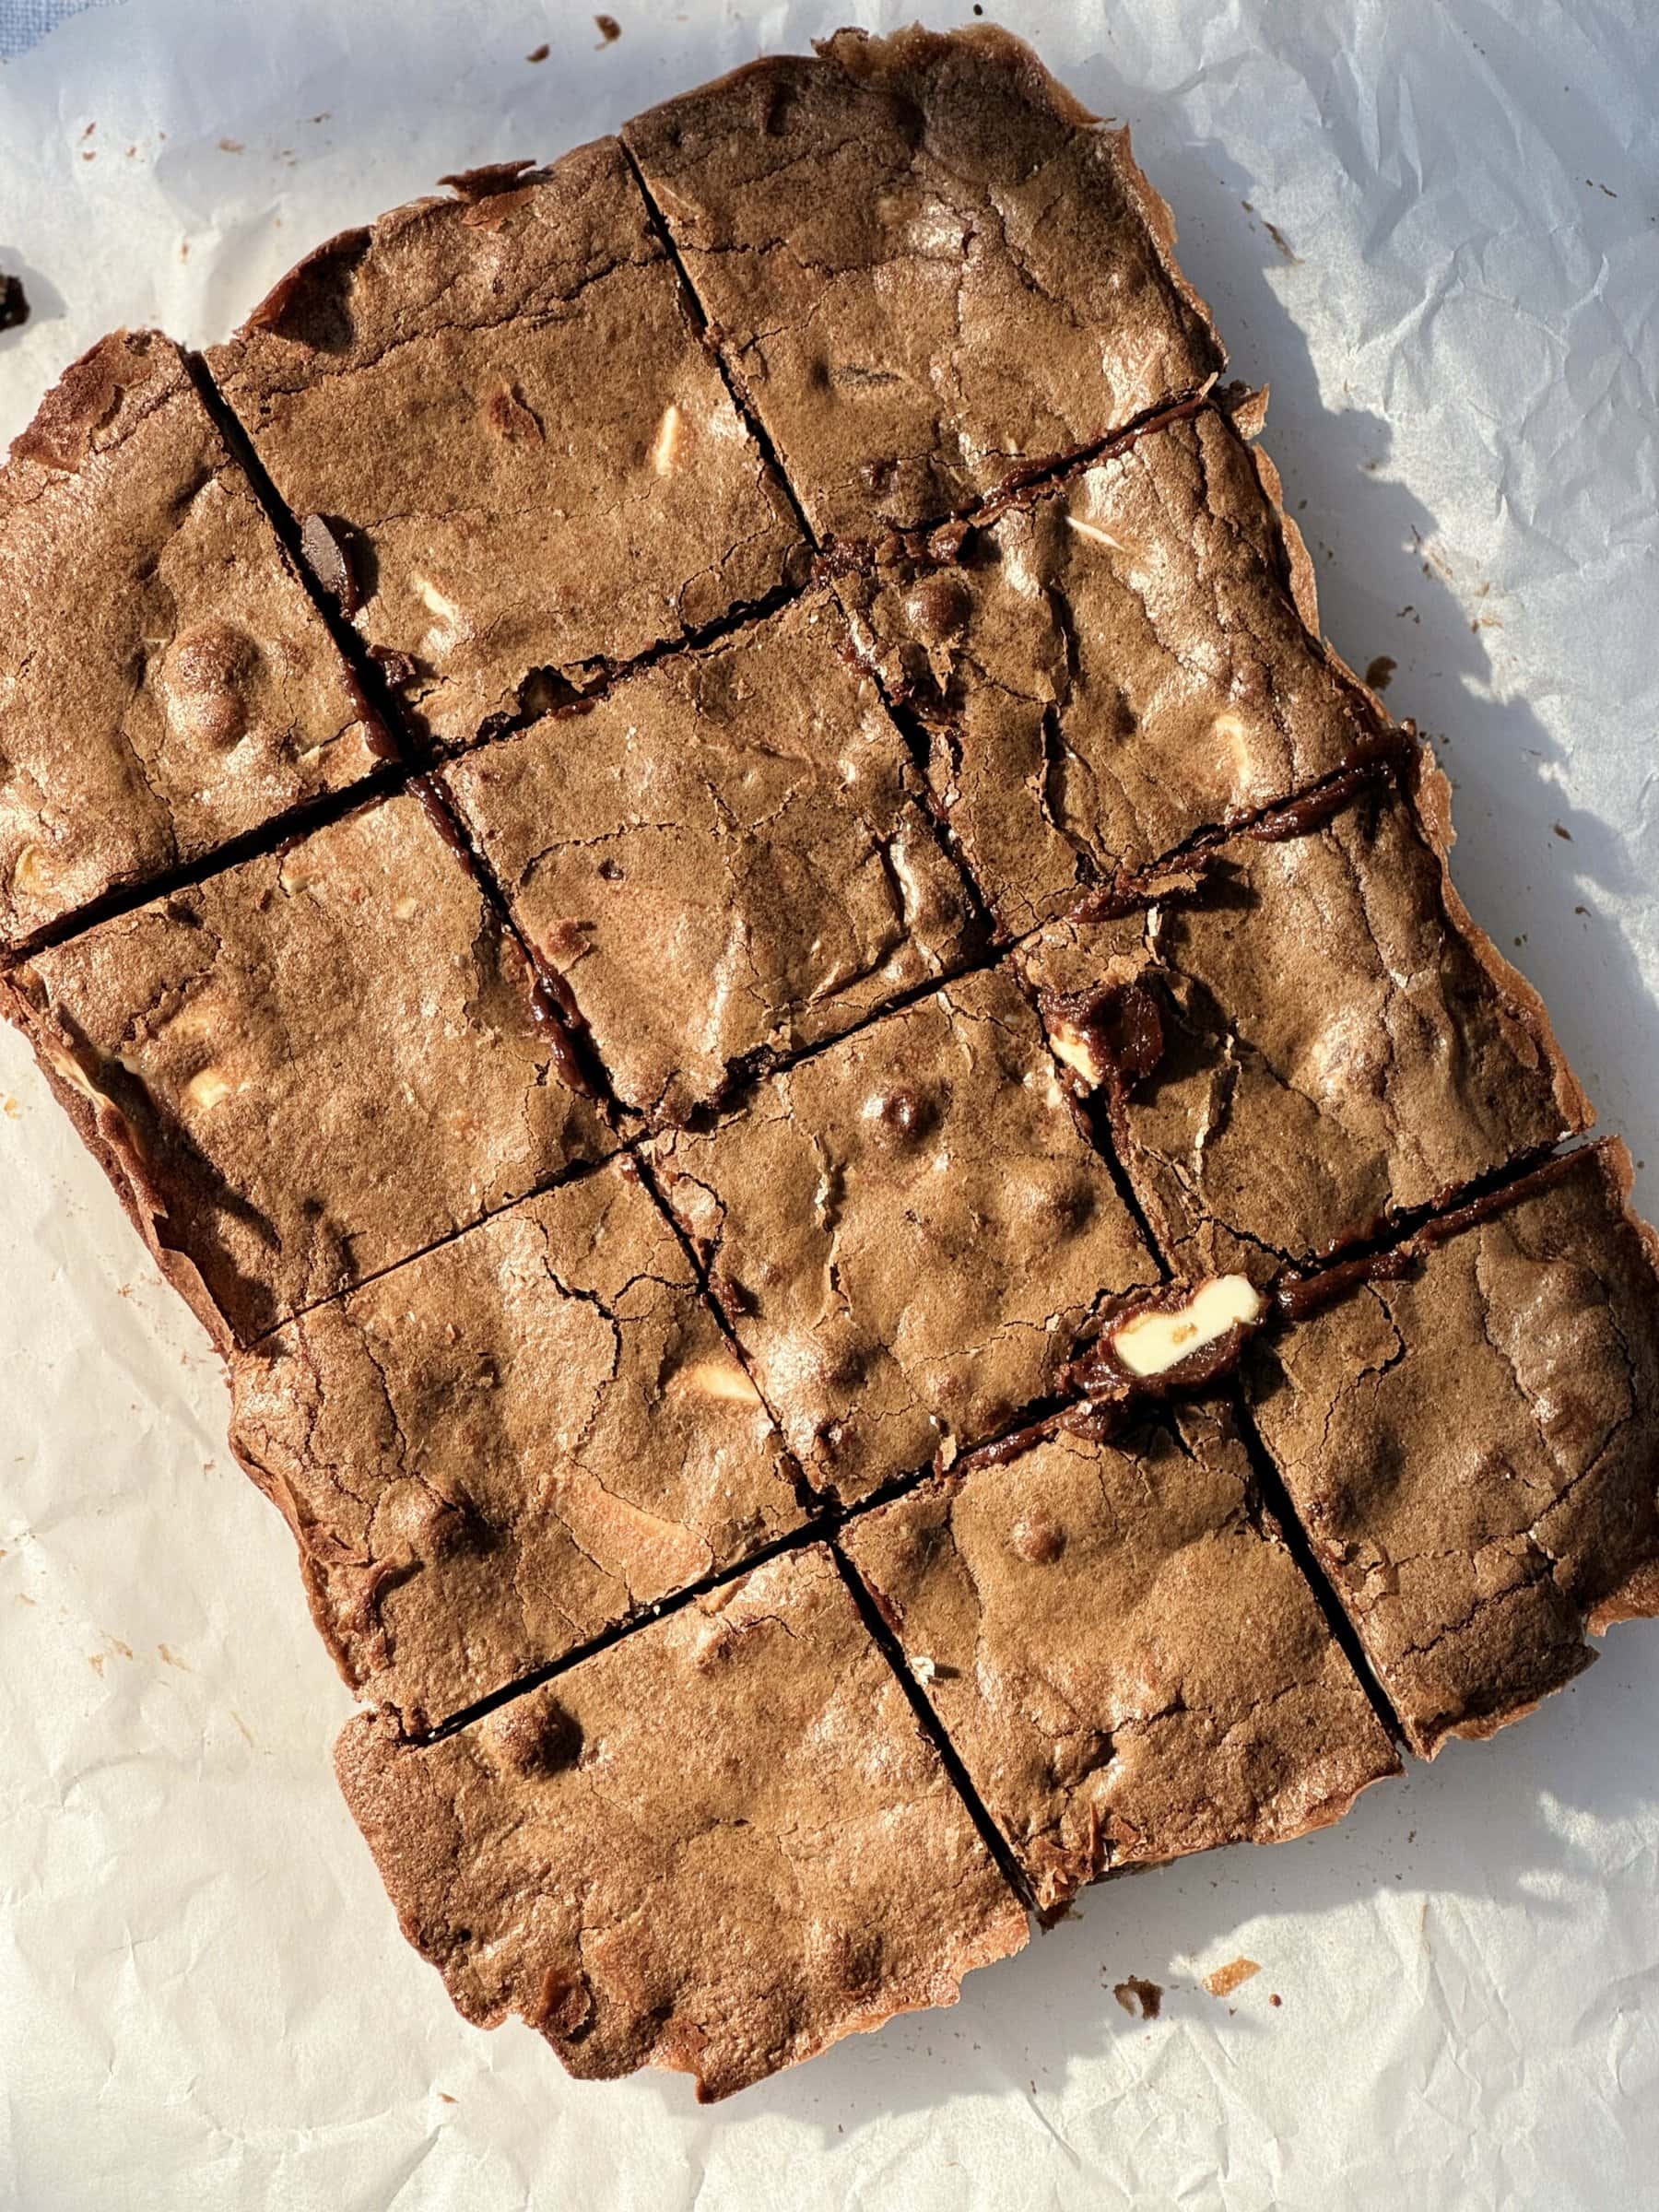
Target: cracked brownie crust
[
  {"x": 1475, "y": 1447},
  {"x": 1308, "y": 1035},
  {"x": 1121, "y": 1650},
  {"x": 724, "y": 858},
  {"x": 908, "y": 1230},
  {"x": 717, "y": 1848},
  {"x": 899, "y": 959},
  {"x": 306, "y": 1069},
  {"x": 1105, "y": 669},
  {"x": 929, "y": 269},
  {"x": 566, "y": 483},
  {"x": 166, "y": 683},
  {"x": 501, "y": 1449}
]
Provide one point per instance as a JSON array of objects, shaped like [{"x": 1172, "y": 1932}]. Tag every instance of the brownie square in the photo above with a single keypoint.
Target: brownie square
[
  {"x": 527, "y": 459},
  {"x": 1308, "y": 1036},
  {"x": 303, "y": 1070},
  {"x": 724, "y": 857},
  {"x": 1472, "y": 1444},
  {"x": 502, "y": 1448},
  {"x": 929, "y": 270},
  {"x": 168, "y": 683},
  {"x": 1106, "y": 668},
  {"x": 908, "y": 1230},
  {"x": 1121, "y": 1650},
  {"x": 718, "y": 1847}
]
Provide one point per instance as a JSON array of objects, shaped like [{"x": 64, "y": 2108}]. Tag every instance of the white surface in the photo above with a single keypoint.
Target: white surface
[{"x": 204, "y": 1998}]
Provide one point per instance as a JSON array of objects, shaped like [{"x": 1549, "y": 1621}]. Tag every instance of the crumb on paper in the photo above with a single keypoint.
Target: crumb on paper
[
  {"x": 170, "y": 1658},
  {"x": 14, "y": 313},
  {"x": 1275, "y": 1998},
  {"x": 231, "y": 146},
  {"x": 1231, "y": 1976},
  {"x": 1562, "y": 831},
  {"x": 1380, "y": 672},
  {"x": 540, "y": 55},
  {"x": 609, "y": 29},
  {"x": 1139, "y": 1998}
]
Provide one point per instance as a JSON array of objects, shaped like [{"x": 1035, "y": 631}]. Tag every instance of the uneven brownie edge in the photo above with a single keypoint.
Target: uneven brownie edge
[
  {"x": 1475, "y": 1556},
  {"x": 266, "y": 1164},
  {"x": 718, "y": 1854}
]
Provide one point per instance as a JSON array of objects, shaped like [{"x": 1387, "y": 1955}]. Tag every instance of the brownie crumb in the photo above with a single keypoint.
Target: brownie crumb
[
  {"x": 609, "y": 29},
  {"x": 540, "y": 54},
  {"x": 14, "y": 303},
  {"x": 1140, "y": 1999},
  {"x": 1380, "y": 672},
  {"x": 1231, "y": 1976}
]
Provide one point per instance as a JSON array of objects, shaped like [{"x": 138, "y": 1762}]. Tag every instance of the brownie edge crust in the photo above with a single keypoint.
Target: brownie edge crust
[{"x": 717, "y": 1848}]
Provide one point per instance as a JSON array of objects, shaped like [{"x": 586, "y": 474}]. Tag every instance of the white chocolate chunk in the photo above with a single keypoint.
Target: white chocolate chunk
[
  {"x": 1152, "y": 1343},
  {"x": 719, "y": 1378},
  {"x": 667, "y": 440},
  {"x": 210, "y": 1086},
  {"x": 32, "y": 873},
  {"x": 1093, "y": 530},
  {"x": 1076, "y": 1048},
  {"x": 449, "y": 629},
  {"x": 70, "y": 1069}
]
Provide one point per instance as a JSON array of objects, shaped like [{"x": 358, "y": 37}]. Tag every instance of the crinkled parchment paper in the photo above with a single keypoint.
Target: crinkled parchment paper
[{"x": 1435, "y": 230}]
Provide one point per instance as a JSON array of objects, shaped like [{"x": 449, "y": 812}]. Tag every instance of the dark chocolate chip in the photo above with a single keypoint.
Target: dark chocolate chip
[
  {"x": 324, "y": 543},
  {"x": 939, "y": 607}
]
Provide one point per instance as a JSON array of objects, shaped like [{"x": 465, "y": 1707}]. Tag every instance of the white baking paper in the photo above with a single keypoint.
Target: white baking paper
[{"x": 1435, "y": 229}]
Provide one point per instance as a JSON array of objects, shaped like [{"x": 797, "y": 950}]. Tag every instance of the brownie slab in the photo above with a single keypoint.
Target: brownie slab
[
  {"x": 928, "y": 269},
  {"x": 524, "y": 458},
  {"x": 1308, "y": 1036},
  {"x": 166, "y": 683},
  {"x": 502, "y": 1448},
  {"x": 718, "y": 1847},
  {"x": 724, "y": 858},
  {"x": 1474, "y": 1444},
  {"x": 908, "y": 1230},
  {"x": 307, "y": 1068},
  {"x": 1107, "y": 667},
  {"x": 1123, "y": 1655}
]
